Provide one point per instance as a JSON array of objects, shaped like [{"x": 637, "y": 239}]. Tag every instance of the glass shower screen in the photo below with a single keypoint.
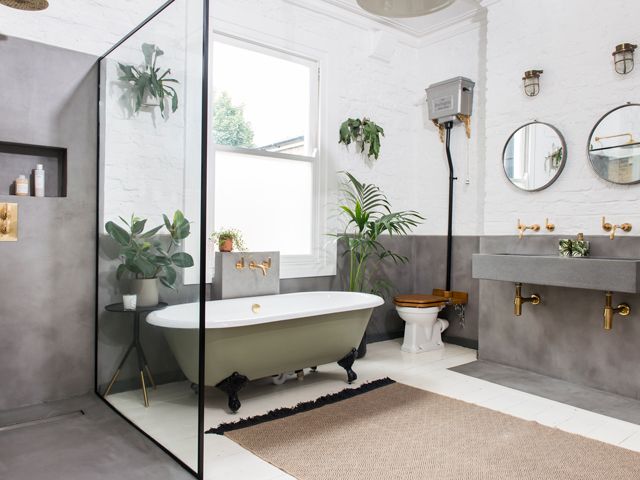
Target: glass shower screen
[{"x": 149, "y": 226}]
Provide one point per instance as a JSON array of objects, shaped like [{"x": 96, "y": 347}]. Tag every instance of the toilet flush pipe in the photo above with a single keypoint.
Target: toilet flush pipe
[{"x": 448, "y": 126}]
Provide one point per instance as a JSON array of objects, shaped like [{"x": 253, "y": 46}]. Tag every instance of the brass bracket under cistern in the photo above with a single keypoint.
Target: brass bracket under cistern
[
  {"x": 607, "y": 227},
  {"x": 609, "y": 310},
  {"x": 523, "y": 228},
  {"x": 264, "y": 266},
  {"x": 519, "y": 300}
]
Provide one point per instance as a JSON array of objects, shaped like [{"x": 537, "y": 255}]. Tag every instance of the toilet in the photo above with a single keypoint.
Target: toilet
[{"x": 423, "y": 329}]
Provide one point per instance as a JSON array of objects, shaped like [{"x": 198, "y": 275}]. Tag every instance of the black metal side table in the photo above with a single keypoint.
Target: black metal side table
[{"x": 135, "y": 344}]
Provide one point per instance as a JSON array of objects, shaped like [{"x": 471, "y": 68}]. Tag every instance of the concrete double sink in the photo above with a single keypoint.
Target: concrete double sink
[{"x": 591, "y": 273}]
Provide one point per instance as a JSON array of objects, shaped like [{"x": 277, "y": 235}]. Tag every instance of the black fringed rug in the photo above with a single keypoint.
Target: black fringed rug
[{"x": 301, "y": 407}]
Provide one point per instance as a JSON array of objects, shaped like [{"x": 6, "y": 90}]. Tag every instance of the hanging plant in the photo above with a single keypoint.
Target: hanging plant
[
  {"x": 364, "y": 133},
  {"x": 148, "y": 81}
]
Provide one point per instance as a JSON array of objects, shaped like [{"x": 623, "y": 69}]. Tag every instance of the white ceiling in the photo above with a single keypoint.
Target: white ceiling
[
  {"x": 93, "y": 26},
  {"x": 417, "y": 26}
]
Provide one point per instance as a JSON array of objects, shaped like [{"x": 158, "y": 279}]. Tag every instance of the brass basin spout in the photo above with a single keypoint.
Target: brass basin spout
[
  {"x": 264, "y": 266},
  {"x": 519, "y": 300},
  {"x": 609, "y": 311}
]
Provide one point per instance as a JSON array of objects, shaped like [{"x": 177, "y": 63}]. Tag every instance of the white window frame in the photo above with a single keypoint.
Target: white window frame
[{"x": 322, "y": 260}]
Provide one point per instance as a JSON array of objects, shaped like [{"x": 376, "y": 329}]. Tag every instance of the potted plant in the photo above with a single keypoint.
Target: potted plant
[
  {"x": 368, "y": 216},
  {"x": 228, "y": 239},
  {"x": 149, "y": 257},
  {"x": 365, "y": 133},
  {"x": 148, "y": 81}
]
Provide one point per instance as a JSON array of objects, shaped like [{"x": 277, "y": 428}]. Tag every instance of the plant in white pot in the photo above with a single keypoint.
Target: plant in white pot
[
  {"x": 150, "y": 257},
  {"x": 364, "y": 133}
]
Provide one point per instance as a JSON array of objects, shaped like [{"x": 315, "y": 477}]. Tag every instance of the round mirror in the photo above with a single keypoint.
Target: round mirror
[
  {"x": 534, "y": 156},
  {"x": 614, "y": 145}
]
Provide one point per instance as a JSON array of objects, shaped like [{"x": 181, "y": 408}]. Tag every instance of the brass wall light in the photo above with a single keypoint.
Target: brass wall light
[
  {"x": 623, "y": 58},
  {"x": 531, "y": 82}
]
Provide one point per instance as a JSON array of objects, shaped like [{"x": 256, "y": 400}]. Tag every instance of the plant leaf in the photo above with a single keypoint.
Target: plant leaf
[
  {"x": 182, "y": 260},
  {"x": 118, "y": 233}
]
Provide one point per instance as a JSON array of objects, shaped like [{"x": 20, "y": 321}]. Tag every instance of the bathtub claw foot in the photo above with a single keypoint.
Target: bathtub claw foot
[
  {"x": 231, "y": 386},
  {"x": 347, "y": 362}
]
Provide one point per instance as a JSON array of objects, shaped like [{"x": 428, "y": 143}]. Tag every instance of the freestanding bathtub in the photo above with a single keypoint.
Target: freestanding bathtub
[{"x": 255, "y": 337}]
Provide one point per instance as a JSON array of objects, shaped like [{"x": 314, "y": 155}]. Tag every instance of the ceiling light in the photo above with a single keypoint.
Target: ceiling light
[
  {"x": 31, "y": 5},
  {"x": 403, "y": 8}
]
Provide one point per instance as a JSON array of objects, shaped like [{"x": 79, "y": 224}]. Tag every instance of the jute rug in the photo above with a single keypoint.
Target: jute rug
[{"x": 387, "y": 430}]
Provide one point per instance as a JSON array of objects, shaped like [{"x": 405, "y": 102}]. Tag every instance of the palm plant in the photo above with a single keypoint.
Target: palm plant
[{"x": 369, "y": 216}]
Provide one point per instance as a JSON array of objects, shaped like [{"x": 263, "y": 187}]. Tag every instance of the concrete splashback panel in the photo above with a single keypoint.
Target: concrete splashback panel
[{"x": 231, "y": 282}]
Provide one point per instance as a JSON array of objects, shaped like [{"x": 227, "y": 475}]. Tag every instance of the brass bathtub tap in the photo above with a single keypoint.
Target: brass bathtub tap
[
  {"x": 519, "y": 300},
  {"x": 609, "y": 311},
  {"x": 264, "y": 266},
  {"x": 523, "y": 228},
  {"x": 607, "y": 227}
]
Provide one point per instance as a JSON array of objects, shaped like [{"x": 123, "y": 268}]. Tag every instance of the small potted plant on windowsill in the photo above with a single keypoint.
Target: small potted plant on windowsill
[{"x": 228, "y": 239}]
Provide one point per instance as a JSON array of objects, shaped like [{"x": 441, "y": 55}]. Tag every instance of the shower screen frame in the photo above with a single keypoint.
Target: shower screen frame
[{"x": 199, "y": 471}]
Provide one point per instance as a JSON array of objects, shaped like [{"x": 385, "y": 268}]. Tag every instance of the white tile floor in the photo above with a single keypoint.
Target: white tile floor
[{"x": 172, "y": 420}]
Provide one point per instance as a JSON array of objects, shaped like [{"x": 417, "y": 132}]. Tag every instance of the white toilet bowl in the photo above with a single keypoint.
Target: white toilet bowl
[{"x": 423, "y": 329}]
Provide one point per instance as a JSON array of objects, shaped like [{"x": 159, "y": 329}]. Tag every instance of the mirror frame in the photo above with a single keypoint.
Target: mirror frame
[
  {"x": 564, "y": 156},
  {"x": 593, "y": 130}
]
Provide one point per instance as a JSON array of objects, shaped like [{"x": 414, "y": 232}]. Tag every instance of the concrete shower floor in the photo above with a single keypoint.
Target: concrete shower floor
[{"x": 98, "y": 445}]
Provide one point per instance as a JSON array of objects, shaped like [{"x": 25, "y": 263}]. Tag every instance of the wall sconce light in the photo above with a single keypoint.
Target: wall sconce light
[
  {"x": 531, "y": 81},
  {"x": 623, "y": 58}
]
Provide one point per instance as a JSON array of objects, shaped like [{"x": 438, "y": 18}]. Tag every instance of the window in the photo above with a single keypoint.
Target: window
[{"x": 266, "y": 163}]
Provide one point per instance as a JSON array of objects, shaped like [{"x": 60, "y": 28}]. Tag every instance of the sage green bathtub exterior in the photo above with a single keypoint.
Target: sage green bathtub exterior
[{"x": 267, "y": 349}]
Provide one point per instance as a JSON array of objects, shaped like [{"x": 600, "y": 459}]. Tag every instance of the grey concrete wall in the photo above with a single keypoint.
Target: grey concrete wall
[
  {"x": 562, "y": 337},
  {"x": 47, "y": 277}
]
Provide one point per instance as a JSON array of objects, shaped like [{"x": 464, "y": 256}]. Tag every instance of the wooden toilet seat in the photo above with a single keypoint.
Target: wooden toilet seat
[{"x": 420, "y": 301}]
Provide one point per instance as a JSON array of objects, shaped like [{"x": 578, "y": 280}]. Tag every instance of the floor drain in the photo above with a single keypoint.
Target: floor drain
[{"x": 41, "y": 421}]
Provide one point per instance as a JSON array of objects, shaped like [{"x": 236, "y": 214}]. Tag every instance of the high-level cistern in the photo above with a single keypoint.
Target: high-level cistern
[{"x": 519, "y": 300}]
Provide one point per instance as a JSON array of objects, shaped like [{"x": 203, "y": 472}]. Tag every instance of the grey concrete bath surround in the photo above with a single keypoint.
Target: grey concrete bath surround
[{"x": 591, "y": 273}]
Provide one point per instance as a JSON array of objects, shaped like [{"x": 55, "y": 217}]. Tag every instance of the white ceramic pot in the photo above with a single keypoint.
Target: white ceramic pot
[{"x": 147, "y": 291}]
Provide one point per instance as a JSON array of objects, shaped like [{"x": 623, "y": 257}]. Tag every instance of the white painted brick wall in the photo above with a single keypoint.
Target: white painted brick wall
[{"x": 572, "y": 41}]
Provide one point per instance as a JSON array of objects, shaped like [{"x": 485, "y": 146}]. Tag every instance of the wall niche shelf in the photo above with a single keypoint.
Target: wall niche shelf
[{"x": 21, "y": 159}]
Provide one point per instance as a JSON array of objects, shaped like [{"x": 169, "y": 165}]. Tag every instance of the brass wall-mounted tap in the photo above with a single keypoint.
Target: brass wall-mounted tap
[
  {"x": 607, "y": 227},
  {"x": 522, "y": 228},
  {"x": 264, "y": 266},
  {"x": 8, "y": 222},
  {"x": 549, "y": 226},
  {"x": 609, "y": 311},
  {"x": 519, "y": 300}
]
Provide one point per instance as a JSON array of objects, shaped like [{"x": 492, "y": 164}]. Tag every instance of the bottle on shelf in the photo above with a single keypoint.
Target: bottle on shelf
[
  {"x": 38, "y": 180},
  {"x": 22, "y": 186}
]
